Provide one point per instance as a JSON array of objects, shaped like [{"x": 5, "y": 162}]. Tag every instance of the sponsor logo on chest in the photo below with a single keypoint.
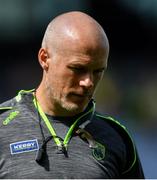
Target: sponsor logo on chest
[{"x": 24, "y": 146}]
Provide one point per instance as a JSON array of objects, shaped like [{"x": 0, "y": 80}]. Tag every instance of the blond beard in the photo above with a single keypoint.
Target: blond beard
[{"x": 62, "y": 101}]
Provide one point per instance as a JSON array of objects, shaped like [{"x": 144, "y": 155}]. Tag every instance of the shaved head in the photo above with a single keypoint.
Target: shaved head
[
  {"x": 73, "y": 56},
  {"x": 74, "y": 29}
]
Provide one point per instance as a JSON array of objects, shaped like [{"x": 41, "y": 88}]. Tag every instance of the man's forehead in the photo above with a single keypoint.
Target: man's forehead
[{"x": 87, "y": 62}]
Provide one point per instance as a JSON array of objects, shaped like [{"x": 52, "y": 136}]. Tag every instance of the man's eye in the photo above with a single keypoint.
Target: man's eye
[
  {"x": 99, "y": 71},
  {"x": 77, "y": 69}
]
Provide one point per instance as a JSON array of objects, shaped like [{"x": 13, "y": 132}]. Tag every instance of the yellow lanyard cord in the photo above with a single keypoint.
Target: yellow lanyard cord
[
  {"x": 47, "y": 122},
  {"x": 51, "y": 129}
]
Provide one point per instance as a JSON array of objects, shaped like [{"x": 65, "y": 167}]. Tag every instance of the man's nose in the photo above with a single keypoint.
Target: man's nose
[{"x": 87, "y": 81}]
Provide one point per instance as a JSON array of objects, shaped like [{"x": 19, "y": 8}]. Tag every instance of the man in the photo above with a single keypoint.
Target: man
[{"x": 54, "y": 130}]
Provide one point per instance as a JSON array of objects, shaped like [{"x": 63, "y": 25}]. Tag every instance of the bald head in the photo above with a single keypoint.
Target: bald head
[
  {"x": 74, "y": 29},
  {"x": 73, "y": 57}
]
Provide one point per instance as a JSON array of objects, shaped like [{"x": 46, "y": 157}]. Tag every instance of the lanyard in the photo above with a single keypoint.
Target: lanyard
[{"x": 51, "y": 129}]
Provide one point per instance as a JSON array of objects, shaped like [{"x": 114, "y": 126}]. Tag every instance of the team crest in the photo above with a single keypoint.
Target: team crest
[{"x": 99, "y": 151}]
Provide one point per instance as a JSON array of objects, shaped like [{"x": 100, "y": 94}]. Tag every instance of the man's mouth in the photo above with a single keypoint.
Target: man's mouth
[{"x": 82, "y": 96}]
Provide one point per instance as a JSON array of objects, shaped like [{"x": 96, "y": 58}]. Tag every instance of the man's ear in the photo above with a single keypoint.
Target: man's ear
[{"x": 43, "y": 57}]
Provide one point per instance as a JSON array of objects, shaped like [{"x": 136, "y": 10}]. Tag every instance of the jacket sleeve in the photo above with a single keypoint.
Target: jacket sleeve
[
  {"x": 133, "y": 168},
  {"x": 136, "y": 170}
]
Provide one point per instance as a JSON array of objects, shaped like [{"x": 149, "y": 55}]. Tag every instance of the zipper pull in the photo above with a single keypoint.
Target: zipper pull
[
  {"x": 87, "y": 137},
  {"x": 62, "y": 149}
]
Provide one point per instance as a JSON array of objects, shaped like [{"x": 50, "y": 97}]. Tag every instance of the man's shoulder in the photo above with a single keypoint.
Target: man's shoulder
[
  {"x": 15, "y": 108},
  {"x": 111, "y": 121},
  {"x": 6, "y": 109},
  {"x": 118, "y": 128},
  {"x": 7, "y": 105},
  {"x": 18, "y": 100},
  {"x": 108, "y": 125},
  {"x": 115, "y": 124}
]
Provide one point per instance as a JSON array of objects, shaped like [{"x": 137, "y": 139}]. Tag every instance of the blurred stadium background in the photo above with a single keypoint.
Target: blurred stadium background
[{"x": 129, "y": 88}]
